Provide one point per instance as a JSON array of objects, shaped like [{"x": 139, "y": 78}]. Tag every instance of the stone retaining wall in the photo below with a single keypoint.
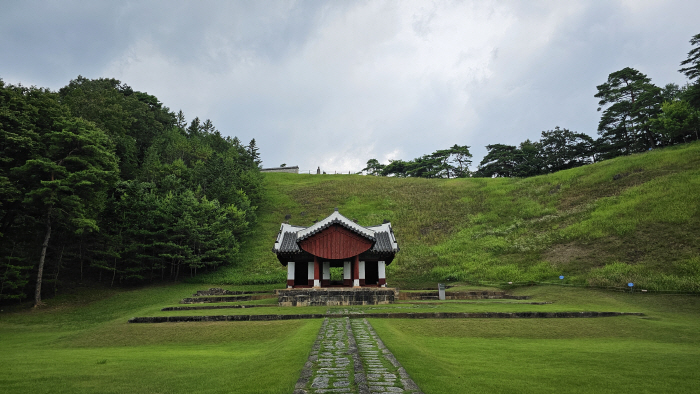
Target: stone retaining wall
[
  {"x": 217, "y": 291},
  {"x": 192, "y": 308},
  {"x": 460, "y": 295},
  {"x": 202, "y": 300},
  {"x": 408, "y": 315},
  {"x": 336, "y": 296}
]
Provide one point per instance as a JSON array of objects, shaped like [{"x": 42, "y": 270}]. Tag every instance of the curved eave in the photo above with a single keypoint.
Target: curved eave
[
  {"x": 286, "y": 239},
  {"x": 335, "y": 218}
]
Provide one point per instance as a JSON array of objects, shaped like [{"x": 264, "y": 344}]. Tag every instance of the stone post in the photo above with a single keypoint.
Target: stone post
[
  {"x": 326, "y": 274},
  {"x": 310, "y": 274},
  {"x": 347, "y": 273},
  {"x": 290, "y": 274},
  {"x": 362, "y": 273},
  {"x": 356, "y": 271},
  {"x": 381, "y": 267},
  {"x": 317, "y": 272}
]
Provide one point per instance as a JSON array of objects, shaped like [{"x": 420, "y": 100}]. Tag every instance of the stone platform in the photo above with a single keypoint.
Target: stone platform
[{"x": 332, "y": 296}]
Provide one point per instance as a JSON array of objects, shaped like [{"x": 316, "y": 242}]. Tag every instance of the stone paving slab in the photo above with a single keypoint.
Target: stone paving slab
[{"x": 348, "y": 357}]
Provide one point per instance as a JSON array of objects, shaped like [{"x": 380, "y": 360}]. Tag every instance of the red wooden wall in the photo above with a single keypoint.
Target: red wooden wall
[{"x": 335, "y": 242}]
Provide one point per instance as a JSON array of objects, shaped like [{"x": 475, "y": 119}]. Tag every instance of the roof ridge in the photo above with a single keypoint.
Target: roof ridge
[{"x": 335, "y": 217}]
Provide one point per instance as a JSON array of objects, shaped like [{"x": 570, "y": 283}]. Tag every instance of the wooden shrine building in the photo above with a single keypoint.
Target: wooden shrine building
[{"x": 309, "y": 253}]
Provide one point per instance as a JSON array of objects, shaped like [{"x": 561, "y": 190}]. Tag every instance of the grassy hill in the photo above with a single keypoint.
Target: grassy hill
[{"x": 630, "y": 219}]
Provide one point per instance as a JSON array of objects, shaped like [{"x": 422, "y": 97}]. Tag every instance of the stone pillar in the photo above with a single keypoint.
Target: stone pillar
[
  {"x": 326, "y": 274},
  {"x": 362, "y": 273},
  {"x": 356, "y": 271},
  {"x": 381, "y": 267},
  {"x": 290, "y": 274},
  {"x": 317, "y": 272},
  {"x": 347, "y": 273},
  {"x": 310, "y": 274}
]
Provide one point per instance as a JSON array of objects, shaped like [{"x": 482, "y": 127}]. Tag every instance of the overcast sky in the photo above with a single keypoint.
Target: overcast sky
[{"x": 335, "y": 83}]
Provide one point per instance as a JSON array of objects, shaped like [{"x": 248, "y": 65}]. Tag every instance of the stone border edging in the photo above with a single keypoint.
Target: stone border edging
[
  {"x": 192, "y": 308},
  {"x": 434, "y": 315},
  {"x": 427, "y": 302},
  {"x": 359, "y": 370},
  {"x": 233, "y": 298},
  {"x": 307, "y": 370},
  {"x": 406, "y": 381}
]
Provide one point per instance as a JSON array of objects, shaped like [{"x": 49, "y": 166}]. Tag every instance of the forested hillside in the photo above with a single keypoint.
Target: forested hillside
[
  {"x": 99, "y": 182},
  {"x": 629, "y": 219}
]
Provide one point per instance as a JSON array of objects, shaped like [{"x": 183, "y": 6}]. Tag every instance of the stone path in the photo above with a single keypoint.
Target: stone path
[{"x": 348, "y": 357}]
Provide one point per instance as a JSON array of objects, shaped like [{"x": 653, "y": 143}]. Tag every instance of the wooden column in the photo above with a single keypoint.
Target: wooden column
[
  {"x": 290, "y": 274},
  {"x": 317, "y": 272},
  {"x": 356, "y": 271}
]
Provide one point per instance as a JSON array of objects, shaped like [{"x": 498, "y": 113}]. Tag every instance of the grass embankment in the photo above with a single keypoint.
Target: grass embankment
[
  {"x": 630, "y": 219},
  {"x": 83, "y": 343}
]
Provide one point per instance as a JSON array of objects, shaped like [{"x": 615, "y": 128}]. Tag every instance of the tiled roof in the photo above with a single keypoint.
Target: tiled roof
[
  {"x": 335, "y": 218},
  {"x": 287, "y": 239},
  {"x": 382, "y": 235},
  {"x": 386, "y": 241}
]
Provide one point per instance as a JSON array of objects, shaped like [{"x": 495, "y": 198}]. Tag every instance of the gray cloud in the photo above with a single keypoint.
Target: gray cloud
[{"x": 333, "y": 84}]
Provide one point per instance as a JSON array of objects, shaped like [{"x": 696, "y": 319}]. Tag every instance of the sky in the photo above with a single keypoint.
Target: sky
[{"x": 332, "y": 84}]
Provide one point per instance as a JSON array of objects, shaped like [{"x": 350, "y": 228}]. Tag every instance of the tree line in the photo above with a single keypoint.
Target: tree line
[
  {"x": 99, "y": 182},
  {"x": 636, "y": 116}
]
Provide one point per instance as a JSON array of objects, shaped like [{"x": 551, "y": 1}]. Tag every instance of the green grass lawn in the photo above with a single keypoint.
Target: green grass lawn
[
  {"x": 83, "y": 343},
  {"x": 655, "y": 353}
]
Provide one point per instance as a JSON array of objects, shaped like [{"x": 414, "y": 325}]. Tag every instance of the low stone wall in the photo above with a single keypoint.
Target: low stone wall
[
  {"x": 193, "y": 308},
  {"x": 460, "y": 295},
  {"x": 408, "y": 315},
  {"x": 217, "y": 291},
  {"x": 291, "y": 170},
  {"x": 336, "y": 296},
  {"x": 203, "y": 300}
]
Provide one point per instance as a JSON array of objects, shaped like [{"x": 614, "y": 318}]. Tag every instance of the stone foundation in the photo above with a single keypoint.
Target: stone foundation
[{"x": 336, "y": 296}]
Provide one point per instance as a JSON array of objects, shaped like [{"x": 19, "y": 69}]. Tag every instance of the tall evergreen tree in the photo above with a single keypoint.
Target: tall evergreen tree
[
  {"x": 561, "y": 149},
  {"x": 631, "y": 100},
  {"x": 73, "y": 167},
  {"x": 500, "y": 161},
  {"x": 373, "y": 167},
  {"x": 692, "y": 71},
  {"x": 253, "y": 152}
]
